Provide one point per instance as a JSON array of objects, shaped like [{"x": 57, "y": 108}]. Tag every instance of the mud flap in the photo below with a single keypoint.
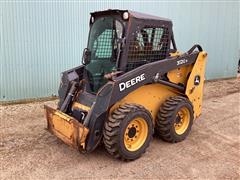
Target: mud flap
[{"x": 66, "y": 128}]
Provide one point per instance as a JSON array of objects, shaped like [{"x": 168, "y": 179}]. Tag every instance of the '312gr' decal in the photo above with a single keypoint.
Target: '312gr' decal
[{"x": 181, "y": 61}]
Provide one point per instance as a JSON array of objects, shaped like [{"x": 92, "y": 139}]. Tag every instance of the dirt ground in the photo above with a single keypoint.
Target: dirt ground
[{"x": 212, "y": 150}]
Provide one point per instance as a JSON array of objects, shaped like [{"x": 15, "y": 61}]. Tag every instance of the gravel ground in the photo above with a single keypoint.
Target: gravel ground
[{"x": 212, "y": 150}]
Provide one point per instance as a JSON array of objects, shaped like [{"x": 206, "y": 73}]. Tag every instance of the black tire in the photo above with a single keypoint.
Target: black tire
[
  {"x": 115, "y": 129},
  {"x": 167, "y": 117}
]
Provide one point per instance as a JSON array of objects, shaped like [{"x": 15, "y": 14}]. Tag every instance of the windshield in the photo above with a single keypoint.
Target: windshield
[
  {"x": 103, "y": 38},
  {"x": 104, "y": 48}
]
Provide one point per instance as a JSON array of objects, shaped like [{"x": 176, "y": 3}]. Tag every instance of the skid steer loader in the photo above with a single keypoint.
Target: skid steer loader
[{"x": 132, "y": 83}]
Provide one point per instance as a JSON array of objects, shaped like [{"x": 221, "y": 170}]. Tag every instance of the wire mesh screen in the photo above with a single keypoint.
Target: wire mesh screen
[
  {"x": 148, "y": 45},
  {"x": 102, "y": 46}
]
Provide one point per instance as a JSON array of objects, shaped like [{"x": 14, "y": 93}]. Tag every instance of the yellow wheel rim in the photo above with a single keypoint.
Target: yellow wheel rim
[
  {"x": 182, "y": 120},
  {"x": 135, "y": 134}
]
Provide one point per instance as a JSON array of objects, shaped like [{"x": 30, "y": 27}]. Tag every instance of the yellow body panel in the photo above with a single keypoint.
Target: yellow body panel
[
  {"x": 150, "y": 96},
  {"x": 153, "y": 95},
  {"x": 195, "y": 92},
  {"x": 179, "y": 75}
]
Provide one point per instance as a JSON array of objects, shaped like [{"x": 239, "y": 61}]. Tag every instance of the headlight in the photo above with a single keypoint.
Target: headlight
[
  {"x": 125, "y": 15},
  {"x": 92, "y": 19}
]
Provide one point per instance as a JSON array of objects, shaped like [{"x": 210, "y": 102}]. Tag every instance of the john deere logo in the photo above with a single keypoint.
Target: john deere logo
[
  {"x": 131, "y": 82},
  {"x": 197, "y": 80}
]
